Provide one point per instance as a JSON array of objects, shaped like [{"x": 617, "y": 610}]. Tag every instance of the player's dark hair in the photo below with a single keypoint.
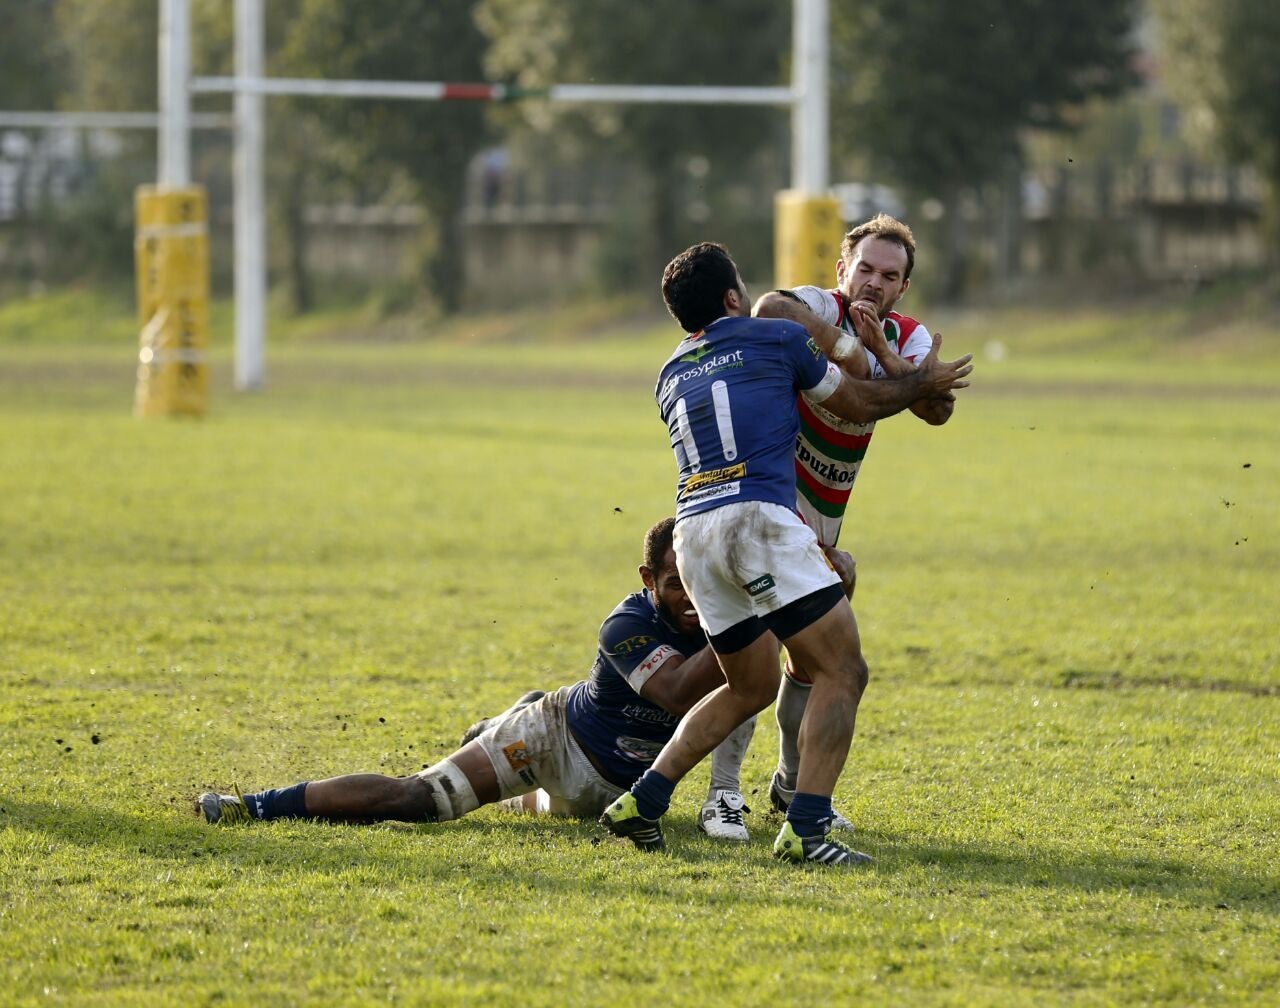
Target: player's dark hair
[
  {"x": 881, "y": 226},
  {"x": 656, "y": 543},
  {"x": 694, "y": 282}
]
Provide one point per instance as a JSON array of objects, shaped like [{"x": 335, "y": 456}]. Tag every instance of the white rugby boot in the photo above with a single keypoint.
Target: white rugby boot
[{"x": 721, "y": 817}]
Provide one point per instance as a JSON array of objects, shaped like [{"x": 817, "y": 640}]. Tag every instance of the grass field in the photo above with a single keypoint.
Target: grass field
[{"x": 1066, "y": 766}]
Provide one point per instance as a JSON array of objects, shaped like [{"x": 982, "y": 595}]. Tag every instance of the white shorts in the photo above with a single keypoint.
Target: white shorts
[
  {"x": 533, "y": 750},
  {"x": 748, "y": 559}
]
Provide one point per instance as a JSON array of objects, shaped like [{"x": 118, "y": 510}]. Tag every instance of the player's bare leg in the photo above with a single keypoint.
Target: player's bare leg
[
  {"x": 829, "y": 648},
  {"x": 449, "y": 789},
  {"x": 373, "y": 797},
  {"x": 752, "y": 675},
  {"x": 793, "y": 700},
  {"x": 368, "y": 797}
]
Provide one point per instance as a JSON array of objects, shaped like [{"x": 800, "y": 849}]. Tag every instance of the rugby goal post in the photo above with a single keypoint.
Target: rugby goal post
[{"x": 806, "y": 241}]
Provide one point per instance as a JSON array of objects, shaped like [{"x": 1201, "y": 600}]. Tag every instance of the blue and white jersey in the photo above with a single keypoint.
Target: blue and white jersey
[
  {"x": 728, "y": 396},
  {"x": 622, "y": 730}
]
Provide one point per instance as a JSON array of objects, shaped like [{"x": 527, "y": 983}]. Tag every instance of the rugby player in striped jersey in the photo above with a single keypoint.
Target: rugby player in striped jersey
[{"x": 872, "y": 275}]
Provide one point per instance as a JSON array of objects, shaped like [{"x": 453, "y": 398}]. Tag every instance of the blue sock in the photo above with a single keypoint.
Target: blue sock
[
  {"x": 278, "y": 803},
  {"x": 653, "y": 794},
  {"x": 810, "y": 814}
]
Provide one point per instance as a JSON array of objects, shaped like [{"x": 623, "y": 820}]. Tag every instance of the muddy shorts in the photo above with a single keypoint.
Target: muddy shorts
[
  {"x": 533, "y": 750},
  {"x": 746, "y": 561}
]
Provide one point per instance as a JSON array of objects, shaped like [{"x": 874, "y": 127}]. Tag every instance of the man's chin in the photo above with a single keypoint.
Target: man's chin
[{"x": 688, "y": 626}]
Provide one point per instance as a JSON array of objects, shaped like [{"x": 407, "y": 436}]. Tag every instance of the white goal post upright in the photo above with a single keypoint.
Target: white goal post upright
[
  {"x": 249, "y": 185},
  {"x": 806, "y": 97},
  {"x": 173, "y": 149},
  {"x": 809, "y": 123}
]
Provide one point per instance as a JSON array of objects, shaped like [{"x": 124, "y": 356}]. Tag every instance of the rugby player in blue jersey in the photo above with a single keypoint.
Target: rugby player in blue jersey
[
  {"x": 872, "y": 275},
  {"x": 570, "y": 752},
  {"x": 754, "y": 570}
]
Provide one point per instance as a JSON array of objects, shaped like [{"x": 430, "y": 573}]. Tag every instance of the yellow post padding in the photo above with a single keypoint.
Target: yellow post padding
[
  {"x": 807, "y": 233},
  {"x": 171, "y": 256}
]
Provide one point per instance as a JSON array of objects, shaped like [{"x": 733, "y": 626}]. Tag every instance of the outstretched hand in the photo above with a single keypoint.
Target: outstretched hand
[{"x": 943, "y": 376}]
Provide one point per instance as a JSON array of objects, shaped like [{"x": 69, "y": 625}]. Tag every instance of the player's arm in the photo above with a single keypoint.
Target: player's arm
[
  {"x": 865, "y": 400},
  {"x": 681, "y": 682},
  {"x": 784, "y": 304},
  {"x": 658, "y": 671},
  {"x": 936, "y": 410}
]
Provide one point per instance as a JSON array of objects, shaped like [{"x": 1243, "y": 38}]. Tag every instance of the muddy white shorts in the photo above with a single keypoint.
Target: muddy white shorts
[
  {"x": 747, "y": 566},
  {"x": 532, "y": 749}
]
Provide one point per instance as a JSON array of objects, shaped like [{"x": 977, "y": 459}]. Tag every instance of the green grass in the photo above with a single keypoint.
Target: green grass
[{"x": 1065, "y": 765}]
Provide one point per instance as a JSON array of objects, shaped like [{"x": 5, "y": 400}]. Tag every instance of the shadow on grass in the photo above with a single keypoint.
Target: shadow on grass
[
  {"x": 1039, "y": 866},
  {"x": 166, "y": 835},
  {"x": 528, "y": 849}
]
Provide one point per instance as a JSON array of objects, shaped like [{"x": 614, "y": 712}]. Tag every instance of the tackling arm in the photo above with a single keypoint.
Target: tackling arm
[
  {"x": 865, "y": 400},
  {"x": 785, "y": 305},
  {"x": 681, "y": 682},
  {"x": 859, "y": 398}
]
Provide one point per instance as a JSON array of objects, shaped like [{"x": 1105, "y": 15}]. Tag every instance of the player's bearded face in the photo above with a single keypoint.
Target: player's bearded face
[
  {"x": 673, "y": 601},
  {"x": 876, "y": 275}
]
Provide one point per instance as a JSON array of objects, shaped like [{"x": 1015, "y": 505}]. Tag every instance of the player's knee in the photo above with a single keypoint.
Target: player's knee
[
  {"x": 860, "y": 674},
  {"x": 755, "y": 696},
  {"x": 853, "y": 672},
  {"x": 850, "y": 675}
]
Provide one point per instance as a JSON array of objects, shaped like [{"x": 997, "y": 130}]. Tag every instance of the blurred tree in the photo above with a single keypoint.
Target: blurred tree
[
  {"x": 365, "y": 144},
  {"x": 1224, "y": 63},
  {"x": 535, "y": 43},
  {"x": 30, "y": 70},
  {"x": 937, "y": 94},
  {"x": 82, "y": 55},
  {"x": 111, "y": 53},
  {"x": 297, "y": 146},
  {"x": 428, "y": 143}
]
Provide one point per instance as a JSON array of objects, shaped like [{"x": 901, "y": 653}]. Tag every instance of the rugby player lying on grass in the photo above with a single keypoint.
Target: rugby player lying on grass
[{"x": 570, "y": 752}]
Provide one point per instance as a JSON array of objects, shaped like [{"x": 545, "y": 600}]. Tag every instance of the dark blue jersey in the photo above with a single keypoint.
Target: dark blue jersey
[
  {"x": 728, "y": 396},
  {"x": 621, "y": 730}
]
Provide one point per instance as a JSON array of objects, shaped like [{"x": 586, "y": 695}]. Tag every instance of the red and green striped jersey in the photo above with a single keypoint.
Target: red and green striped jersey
[{"x": 829, "y": 450}]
